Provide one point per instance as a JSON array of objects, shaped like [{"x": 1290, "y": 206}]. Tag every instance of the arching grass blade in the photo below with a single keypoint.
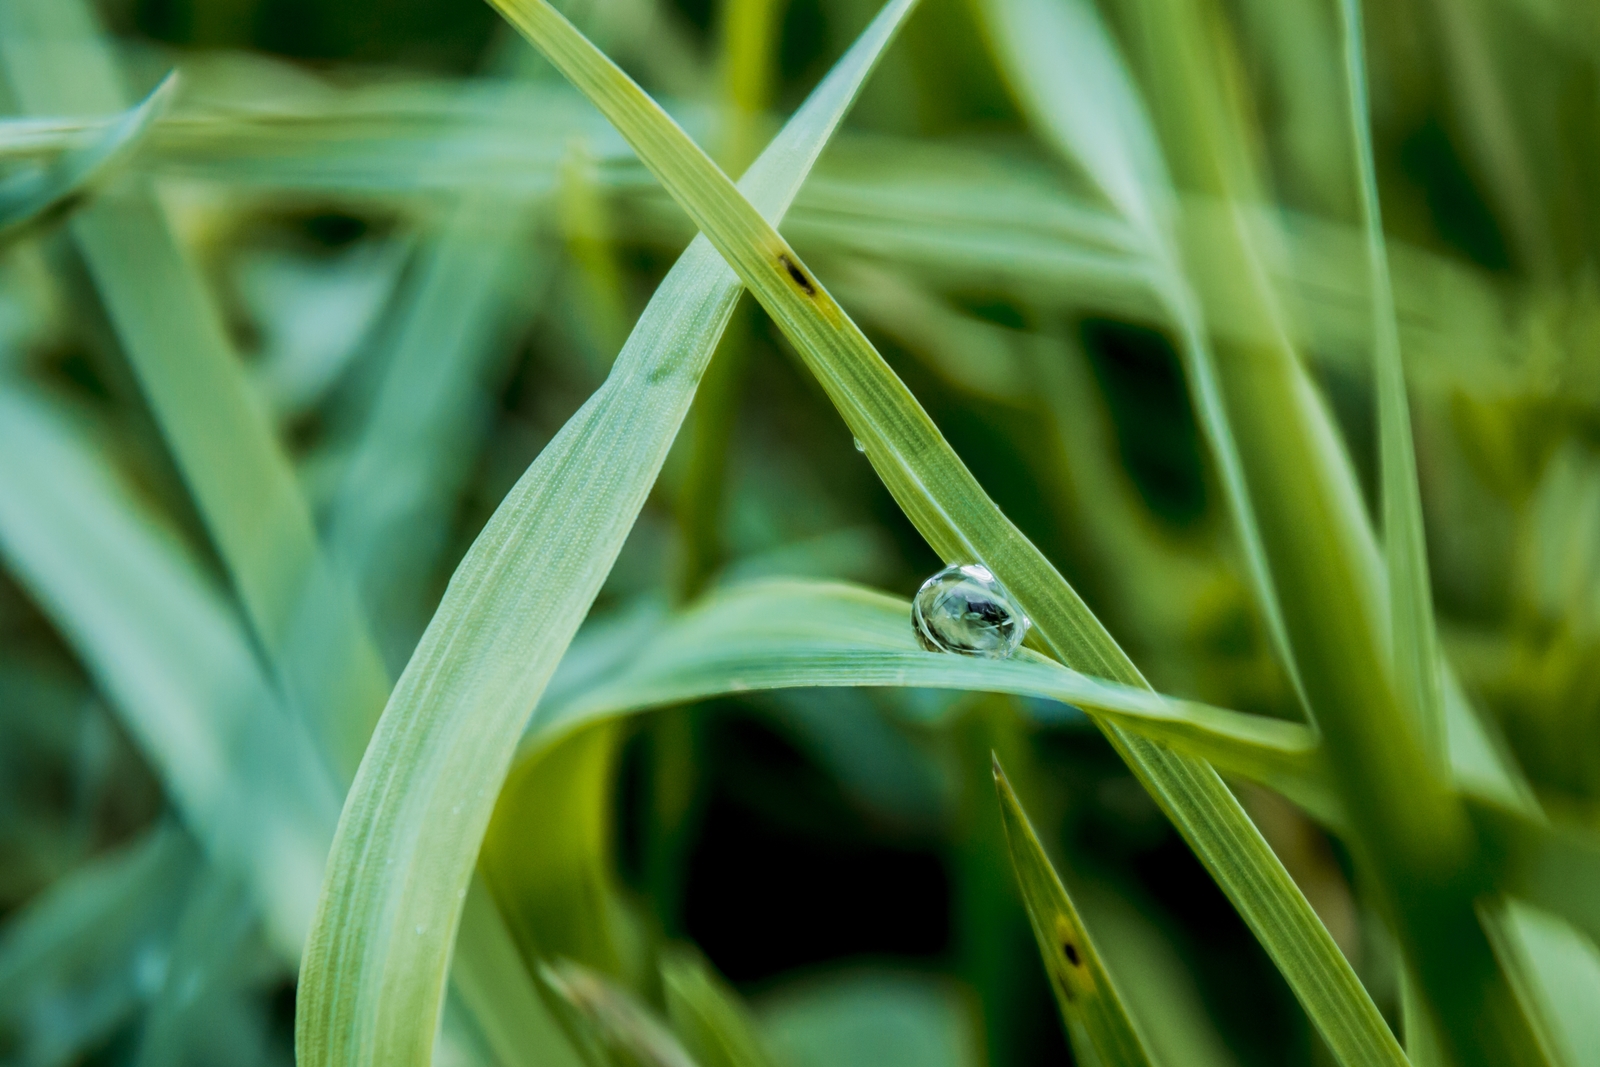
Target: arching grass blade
[{"x": 789, "y": 633}]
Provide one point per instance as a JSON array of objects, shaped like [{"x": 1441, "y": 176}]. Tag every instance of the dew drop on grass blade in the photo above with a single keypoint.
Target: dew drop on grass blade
[{"x": 786, "y": 633}]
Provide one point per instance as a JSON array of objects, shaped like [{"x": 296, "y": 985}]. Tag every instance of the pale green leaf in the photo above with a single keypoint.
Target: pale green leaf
[
  {"x": 372, "y": 975},
  {"x": 1560, "y": 974}
]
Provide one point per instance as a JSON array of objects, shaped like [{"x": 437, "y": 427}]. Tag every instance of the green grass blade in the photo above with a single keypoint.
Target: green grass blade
[
  {"x": 416, "y": 443},
  {"x": 1556, "y": 971},
  {"x": 1098, "y": 1024},
  {"x": 871, "y": 1018},
  {"x": 950, "y": 509},
  {"x": 1552, "y": 867},
  {"x": 373, "y": 971},
  {"x": 1408, "y": 828},
  {"x": 213, "y": 932},
  {"x": 1413, "y": 636},
  {"x": 709, "y": 1018},
  {"x": 36, "y": 198},
  {"x": 1078, "y": 91},
  {"x": 613, "y": 1019},
  {"x": 303, "y": 613},
  {"x": 782, "y": 634},
  {"x": 177, "y": 664},
  {"x": 561, "y": 899},
  {"x": 172, "y": 656},
  {"x": 70, "y": 961},
  {"x": 494, "y": 983}
]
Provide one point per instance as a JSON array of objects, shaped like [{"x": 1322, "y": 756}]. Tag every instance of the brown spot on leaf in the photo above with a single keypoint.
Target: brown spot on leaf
[{"x": 798, "y": 275}]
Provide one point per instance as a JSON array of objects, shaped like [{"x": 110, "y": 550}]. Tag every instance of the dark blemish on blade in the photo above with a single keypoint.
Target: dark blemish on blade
[
  {"x": 798, "y": 275},
  {"x": 1070, "y": 950}
]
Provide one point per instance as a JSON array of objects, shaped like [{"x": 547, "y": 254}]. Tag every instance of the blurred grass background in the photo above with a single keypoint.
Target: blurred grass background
[{"x": 427, "y": 249}]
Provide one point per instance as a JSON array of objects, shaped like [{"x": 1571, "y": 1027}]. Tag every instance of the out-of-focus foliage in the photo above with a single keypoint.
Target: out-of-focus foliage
[{"x": 1271, "y": 329}]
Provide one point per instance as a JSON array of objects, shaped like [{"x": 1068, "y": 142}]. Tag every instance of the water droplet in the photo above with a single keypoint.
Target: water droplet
[
  {"x": 966, "y": 610},
  {"x": 860, "y": 445}
]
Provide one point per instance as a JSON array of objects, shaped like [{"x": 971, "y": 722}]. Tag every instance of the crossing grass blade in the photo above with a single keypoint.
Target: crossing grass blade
[
  {"x": 372, "y": 975},
  {"x": 950, "y": 509},
  {"x": 1098, "y": 1024},
  {"x": 781, "y": 634},
  {"x": 36, "y": 198}
]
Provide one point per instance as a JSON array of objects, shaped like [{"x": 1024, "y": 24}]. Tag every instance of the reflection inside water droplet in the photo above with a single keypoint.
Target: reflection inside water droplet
[
  {"x": 966, "y": 610},
  {"x": 860, "y": 447}
]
